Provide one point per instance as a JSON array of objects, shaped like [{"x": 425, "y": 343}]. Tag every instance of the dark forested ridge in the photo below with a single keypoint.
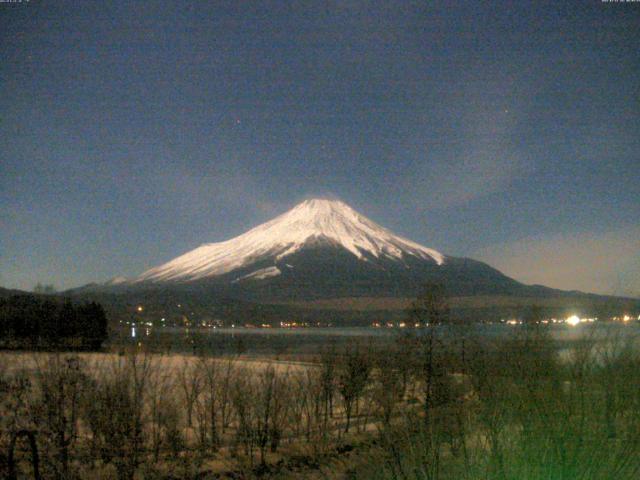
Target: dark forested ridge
[{"x": 39, "y": 321}]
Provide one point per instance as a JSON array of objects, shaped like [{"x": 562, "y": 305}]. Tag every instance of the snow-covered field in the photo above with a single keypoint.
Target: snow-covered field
[{"x": 15, "y": 361}]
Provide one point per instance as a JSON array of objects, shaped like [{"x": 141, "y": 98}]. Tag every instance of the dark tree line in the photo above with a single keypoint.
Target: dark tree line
[{"x": 30, "y": 321}]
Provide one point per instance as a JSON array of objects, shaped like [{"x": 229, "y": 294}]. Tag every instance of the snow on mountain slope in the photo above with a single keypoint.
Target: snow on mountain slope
[
  {"x": 312, "y": 221},
  {"x": 260, "y": 274}
]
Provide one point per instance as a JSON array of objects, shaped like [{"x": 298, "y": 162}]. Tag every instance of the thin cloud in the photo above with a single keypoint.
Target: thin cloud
[
  {"x": 197, "y": 192},
  {"x": 476, "y": 156},
  {"x": 607, "y": 263}
]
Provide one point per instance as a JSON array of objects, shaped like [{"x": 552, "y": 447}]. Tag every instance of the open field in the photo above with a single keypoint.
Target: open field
[
  {"x": 169, "y": 363},
  {"x": 219, "y": 412}
]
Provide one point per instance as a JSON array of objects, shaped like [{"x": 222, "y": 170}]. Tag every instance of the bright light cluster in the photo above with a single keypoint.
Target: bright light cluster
[{"x": 573, "y": 320}]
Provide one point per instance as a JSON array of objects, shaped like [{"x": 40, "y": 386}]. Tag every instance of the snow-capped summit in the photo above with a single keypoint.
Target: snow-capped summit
[{"x": 312, "y": 222}]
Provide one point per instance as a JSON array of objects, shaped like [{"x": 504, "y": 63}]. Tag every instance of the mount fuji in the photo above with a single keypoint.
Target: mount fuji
[
  {"x": 320, "y": 249},
  {"x": 324, "y": 262},
  {"x": 313, "y": 223}
]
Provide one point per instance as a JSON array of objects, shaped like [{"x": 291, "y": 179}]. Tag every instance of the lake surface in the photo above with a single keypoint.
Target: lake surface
[{"x": 313, "y": 340}]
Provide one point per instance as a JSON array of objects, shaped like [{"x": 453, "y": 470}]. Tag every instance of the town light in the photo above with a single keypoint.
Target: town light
[{"x": 573, "y": 320}]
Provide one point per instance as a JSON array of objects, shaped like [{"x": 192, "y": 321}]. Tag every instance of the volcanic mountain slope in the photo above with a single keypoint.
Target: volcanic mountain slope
[
  {"x": 323, "y": 249},
  {"x": 312, "y": 223}
]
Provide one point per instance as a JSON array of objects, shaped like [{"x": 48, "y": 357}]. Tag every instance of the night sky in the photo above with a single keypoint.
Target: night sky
[{"x": 131, "y": 132}]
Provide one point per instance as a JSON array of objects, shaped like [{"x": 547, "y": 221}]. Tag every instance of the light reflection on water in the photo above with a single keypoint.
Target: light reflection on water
[
  {"x": 292, "y": 340},
  {"x": 560, "y": 331}
]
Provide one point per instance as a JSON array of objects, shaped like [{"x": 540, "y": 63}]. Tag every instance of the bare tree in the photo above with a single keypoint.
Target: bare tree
[
  {"x": 60, "y": 381},
  {"x": 210, "y": 376},
  {"x": 191, "y": 384},
  {"x": 430, "y": 310},
  {"x": 328, "y": 382},
  {"x": 280, "y": 406},
  {"x": 228, "y": 374},
  {"x": 353, "y": 373},
  {"x": 115, "y": 412},
  {"x": 243, "y": 393},
  {"x": 266, "y": 397},
  {"x": 306, "y": 412},
  {"x": 389, "y": 384},
  {"x": 164, "y": 418}
]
